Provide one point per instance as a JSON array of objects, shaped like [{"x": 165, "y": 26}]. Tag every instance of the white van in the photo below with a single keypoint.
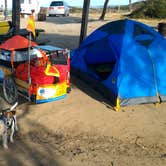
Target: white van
[
  {"x": 58, "y": 8},
  {"x": 28, "y": 5}
]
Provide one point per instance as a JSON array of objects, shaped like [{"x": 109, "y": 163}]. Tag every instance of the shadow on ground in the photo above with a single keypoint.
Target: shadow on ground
[
  {"x": 59, "y": 40},
  {"x": 30, "y": 149},
  {"x": 39, "y": 147},
  {"x": 63, "y": 20},
  {"x": 67, "y": 20},
  {"x": 83, "y": 86}
]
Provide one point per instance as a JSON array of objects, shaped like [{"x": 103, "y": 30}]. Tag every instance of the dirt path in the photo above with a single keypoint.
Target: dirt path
[{"x": 82, "y": 129}]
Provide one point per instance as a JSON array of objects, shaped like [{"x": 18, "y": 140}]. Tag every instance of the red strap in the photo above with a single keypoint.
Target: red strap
[{"x": 12, "y": 59}]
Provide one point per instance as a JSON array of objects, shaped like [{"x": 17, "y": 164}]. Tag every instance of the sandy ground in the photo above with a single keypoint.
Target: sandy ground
[{"x": 82, "y": 129}]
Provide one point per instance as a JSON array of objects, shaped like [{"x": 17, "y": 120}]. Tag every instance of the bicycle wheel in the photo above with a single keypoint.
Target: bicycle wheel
[{"x": 10, "y": 90}]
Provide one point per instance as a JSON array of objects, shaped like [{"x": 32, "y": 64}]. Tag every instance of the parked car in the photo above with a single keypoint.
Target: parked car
[{"x": 58, "y": 8}]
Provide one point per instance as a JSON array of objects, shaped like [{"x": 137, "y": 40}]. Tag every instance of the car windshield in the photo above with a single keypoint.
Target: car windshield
[{"x": 56, "y": 3}]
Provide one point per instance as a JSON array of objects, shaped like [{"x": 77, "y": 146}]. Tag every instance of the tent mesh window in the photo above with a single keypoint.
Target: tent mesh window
[
  {"x": 117, "y": 27},
  {"x": 139, "y": 30}
]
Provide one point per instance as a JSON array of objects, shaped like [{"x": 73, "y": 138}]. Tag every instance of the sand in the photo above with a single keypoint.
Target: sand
[{"x": 82, "y": 129}]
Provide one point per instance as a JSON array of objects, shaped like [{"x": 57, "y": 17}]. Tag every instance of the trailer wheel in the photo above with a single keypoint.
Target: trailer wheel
[
  {"x": 68, "y": 89},
  {"x": 10, "y": 90}
]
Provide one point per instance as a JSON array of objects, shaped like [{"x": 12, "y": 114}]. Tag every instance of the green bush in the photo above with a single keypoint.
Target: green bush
[
  {"x": 75, "y": 10},
  {"x": 150, "y": 8}
]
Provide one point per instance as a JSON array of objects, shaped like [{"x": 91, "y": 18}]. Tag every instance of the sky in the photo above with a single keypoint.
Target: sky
[{"x": 79, "y": 3}]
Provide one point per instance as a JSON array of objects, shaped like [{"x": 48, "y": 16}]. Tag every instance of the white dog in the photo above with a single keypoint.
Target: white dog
[{"x": 8, "y": 121}]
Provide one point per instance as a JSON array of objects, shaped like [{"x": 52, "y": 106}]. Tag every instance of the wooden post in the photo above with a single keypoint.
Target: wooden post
[
  {"x": 16, "y": 15},
  {"x": 84, "y": 23}
]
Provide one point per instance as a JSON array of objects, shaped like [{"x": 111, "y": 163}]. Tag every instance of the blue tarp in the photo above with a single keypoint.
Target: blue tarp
[{"x": 138, "y": 55}]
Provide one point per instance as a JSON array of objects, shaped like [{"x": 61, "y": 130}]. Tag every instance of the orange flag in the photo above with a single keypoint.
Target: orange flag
[{"x": 31, "y": 25}]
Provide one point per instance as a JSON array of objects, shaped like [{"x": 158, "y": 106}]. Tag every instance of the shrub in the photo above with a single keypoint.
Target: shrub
[{"x": 150, "y": 8}]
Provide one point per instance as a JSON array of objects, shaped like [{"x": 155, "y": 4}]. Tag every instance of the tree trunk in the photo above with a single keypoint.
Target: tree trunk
[
  {"x": 104, "y": 10},
  {"x": 5, "y": 10}
]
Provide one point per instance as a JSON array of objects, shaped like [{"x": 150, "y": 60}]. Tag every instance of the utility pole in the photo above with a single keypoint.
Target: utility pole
[
  {"x": 16, "y": 15},
  {"x": 5, "y": 10},
  {"x": 84, "y": 23},
  {"x": 119, "y": 7},
  {"x": 130, "y": 5}
]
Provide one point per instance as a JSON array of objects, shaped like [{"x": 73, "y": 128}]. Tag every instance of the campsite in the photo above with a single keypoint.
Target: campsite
[{"x": 83, "y": 128}]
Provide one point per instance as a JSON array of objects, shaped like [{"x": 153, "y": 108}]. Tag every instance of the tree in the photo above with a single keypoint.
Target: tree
[
  {"x": 104, "y": 10},
  {"x": 151, "y": 9}
]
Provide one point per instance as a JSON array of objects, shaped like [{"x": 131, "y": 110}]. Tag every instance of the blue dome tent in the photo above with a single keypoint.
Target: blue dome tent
[{"x": 127, "y": 61}]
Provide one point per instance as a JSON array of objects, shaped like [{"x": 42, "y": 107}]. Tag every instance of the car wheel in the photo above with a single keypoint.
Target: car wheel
[
  {"x": 10, "y": 90},
  {"x": 65, "y": 15}
]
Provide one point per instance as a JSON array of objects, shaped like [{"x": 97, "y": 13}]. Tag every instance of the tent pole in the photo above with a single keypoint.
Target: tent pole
[
  {"x": 154, "y": 77},
  {"x": 117, "y": 107}
]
